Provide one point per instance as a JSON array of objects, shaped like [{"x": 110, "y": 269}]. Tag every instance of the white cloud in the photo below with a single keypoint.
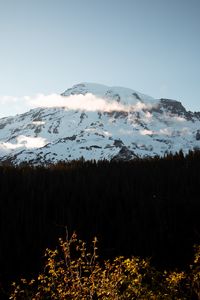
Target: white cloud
[
  {"x": 146, "y": 132},
  {"x": 24, "y": 142},
  {"x": 87, "y": 102},
  {"x": 13, "y": 105}
]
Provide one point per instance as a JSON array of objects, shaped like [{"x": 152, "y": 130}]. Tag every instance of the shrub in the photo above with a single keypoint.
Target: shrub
[{"x": 74, "y": 272}]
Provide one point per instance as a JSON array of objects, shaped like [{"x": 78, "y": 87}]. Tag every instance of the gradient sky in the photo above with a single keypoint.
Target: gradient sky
[{"x": 152, "y": 46}]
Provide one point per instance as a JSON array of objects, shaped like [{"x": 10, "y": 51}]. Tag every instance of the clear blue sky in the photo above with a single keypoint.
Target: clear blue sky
[{"x": 152, "y": 46}]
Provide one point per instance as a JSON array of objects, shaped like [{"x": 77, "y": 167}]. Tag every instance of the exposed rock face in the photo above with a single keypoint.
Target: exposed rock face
[
  {"x": 198, "y": 135},
  {"x": 129, "y": 125},
  {"x": 174, "y": 107},
  {"x": 118, "y": 143},
  {"x": 125, "y": 154}
]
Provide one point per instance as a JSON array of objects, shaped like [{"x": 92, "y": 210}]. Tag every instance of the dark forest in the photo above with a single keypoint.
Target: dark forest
[{"x": 147, "y": 207}]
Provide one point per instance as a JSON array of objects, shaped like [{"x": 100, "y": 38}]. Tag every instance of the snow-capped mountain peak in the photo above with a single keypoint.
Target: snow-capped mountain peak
[
  {"x": 123, "y": 124},
  {"x": 119, "y": 94}
]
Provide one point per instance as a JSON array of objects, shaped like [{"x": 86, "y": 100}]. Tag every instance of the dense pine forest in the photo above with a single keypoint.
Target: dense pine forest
[{"x": 147, "y": 207}]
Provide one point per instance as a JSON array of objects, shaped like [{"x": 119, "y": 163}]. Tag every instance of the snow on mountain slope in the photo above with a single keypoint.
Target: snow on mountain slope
[
  {"x": 128, "y": 125},
  {"x": 120, "y": 94}
]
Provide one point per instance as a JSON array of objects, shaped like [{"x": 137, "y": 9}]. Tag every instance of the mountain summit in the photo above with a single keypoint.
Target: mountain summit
[
  {"x": 119, "y": 94},
  {"x": 99, "y": 122}
]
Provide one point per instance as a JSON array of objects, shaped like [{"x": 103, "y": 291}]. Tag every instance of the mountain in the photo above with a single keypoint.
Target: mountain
[{"x": 99, "y": 122}]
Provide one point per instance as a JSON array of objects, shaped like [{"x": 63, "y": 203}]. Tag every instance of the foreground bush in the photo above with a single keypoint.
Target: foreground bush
[{"x": 74, "y": 272}]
